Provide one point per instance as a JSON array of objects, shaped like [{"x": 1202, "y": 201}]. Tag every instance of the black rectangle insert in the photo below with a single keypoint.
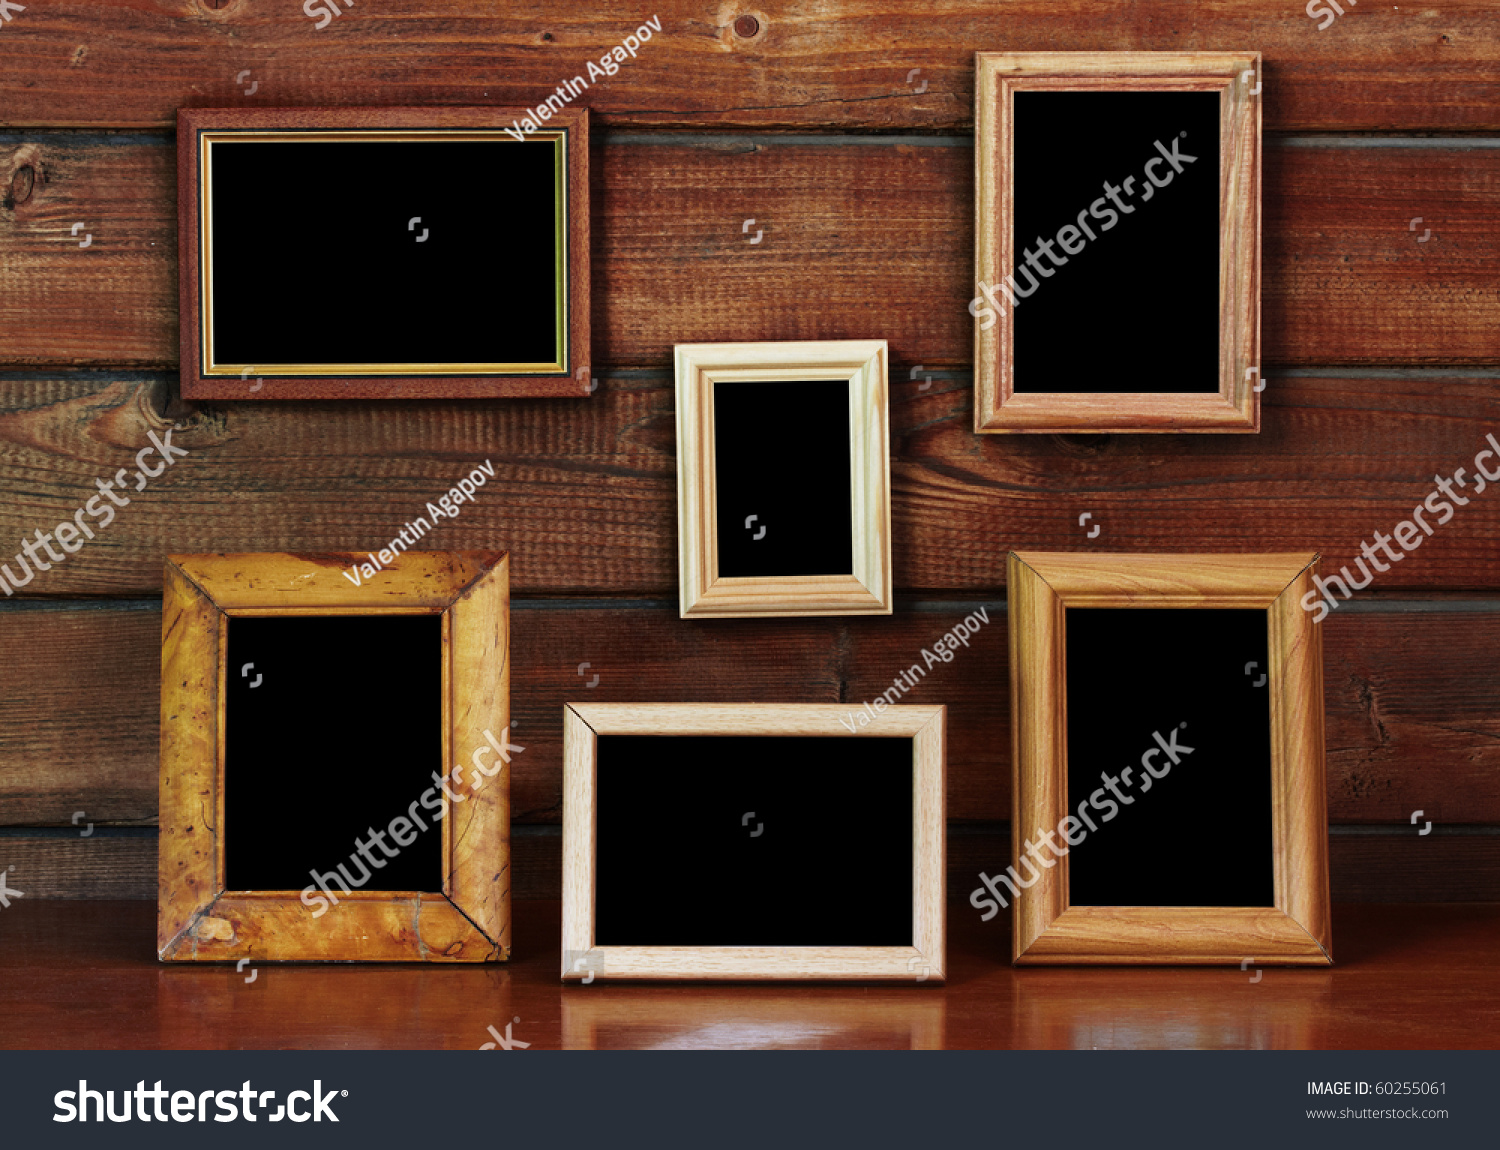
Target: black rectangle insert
[
  {"x": 1169, "y": 758},
  {"x": 333, "y": 729},
  {"x": 753, "y": 841},
  {"x": 782, "y": 468},
  {"x": 384, "y": 252},
  {"x": 1116, "y": 242}
]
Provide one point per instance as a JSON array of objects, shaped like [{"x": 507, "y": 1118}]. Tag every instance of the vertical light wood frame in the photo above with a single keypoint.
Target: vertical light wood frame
[
  {"x": 1047, "y": 930},
  {"x": 1236, "y": 405},
  {"x": 202, "y": 378},
  {"x": 198, "y": 920},
  {"x": 864, "y": 364},
  {"x": 924, "y": 961}
]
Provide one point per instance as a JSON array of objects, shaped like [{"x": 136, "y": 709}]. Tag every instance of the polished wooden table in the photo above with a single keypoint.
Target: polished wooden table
[{"x": 84, "y": 974}]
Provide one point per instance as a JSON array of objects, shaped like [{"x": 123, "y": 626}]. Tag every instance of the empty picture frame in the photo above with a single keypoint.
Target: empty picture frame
[
  {"x": 783, "y": 478},
  {"x": 309, "y": 806},
  {"x": 716, "y": 841},
  {"x": 1167, "y": 739},
  {"x": 358, "y": 253},
  {"x": 1117, "y": 263}
]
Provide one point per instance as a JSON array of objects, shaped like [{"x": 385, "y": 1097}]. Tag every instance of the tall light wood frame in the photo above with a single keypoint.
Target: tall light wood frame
[
  {"x": 198, "y": 920},
  {"x": 865, "y": 365},
  {"x": 1235, "y": 406},
  {"x": 924, "y": 961},
  {"x": 1296, "y": 930},
  {"x": 203, "y": 376}
]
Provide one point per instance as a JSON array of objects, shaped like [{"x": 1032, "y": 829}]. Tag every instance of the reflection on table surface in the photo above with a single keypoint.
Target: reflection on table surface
[
  {"x": 752, "y": 1018},
  {"x": 85, "y": 975}
]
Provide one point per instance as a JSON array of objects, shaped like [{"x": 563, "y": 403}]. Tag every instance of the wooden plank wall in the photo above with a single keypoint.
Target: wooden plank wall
[{"x": 1382, "y": 352}]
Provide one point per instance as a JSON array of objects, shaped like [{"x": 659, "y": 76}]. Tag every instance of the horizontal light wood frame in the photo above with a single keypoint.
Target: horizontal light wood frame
[
  {"x": 198, "y": 920},
  {"x": 924, "y": 961},
  {"x": 1047, "y": 930},
  {"x": 204, "y": 379},
  {"x": 865, "y": 365},
  {"x": 1235, "y": 406}
]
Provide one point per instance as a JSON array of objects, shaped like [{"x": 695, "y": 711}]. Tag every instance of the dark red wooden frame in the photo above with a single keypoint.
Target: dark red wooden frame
[{"x": 197, "y": 385}]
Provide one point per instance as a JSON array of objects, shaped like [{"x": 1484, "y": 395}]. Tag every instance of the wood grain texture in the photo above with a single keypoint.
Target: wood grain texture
[
  {"x": 1299, "y": 786},
  {"x": 369, "y": 926},
  {"x": 1396, "y": 865},
  {"x": 282, "y": 583},
  {"x": 476, "y": 835},
  {"x": 929, "y": 863},
  {"x": 1175, "y": 935},
  {"x": 203, "y": 377},
  {"x": 1047, "y": 928},
  {"x": 191, "y": 788},
  {"x": 884, "y": 229},
  {"x": 703, "y": 592},
  {"x": 1038, "y": 733},
  {"x": 923, "y": 961},
  {"x": 72, "y": 867},
  {"x": 1102, "y": 579},
  {"x": 1389, "y": 863},
  {"x": 126, "y": 63},
  {"x": 583, "y": 496},
  {"x": 1235, "y": 406},
  {"x": 1412, "y": 701},
  {"x": 114, "y": 301},
  {"x": 1411, "y": 977},
  {"x": 580, "y": 857},
  {"x": 80, "y": 698},
  {"x": 198, "y": 919}
]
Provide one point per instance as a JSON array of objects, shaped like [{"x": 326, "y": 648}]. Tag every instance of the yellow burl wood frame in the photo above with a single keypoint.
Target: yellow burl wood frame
[
  {"x": 1047, "y": 930},
  {"x": 865, "y": 364},
  {"x": 198, "y": 920},
  {"x": 1235, "y": 406},
  {"x": 924, "y": 961}
]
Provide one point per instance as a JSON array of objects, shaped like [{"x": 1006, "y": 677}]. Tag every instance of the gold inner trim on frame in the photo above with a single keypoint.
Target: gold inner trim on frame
[{"x": 207, "y": 138}]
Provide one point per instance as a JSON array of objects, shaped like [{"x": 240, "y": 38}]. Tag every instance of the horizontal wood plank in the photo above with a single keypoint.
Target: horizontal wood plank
[
  {"x": 128, "y": 63},
  {"x": 1400, "y": 866},
  {"x": 1363, "y": 868},
  {"x": 88, "y": 868},
  {"x": 884, "y": 229},
  {"x": 1413, "y": 701},
  {"x": 584, "y": 494}
]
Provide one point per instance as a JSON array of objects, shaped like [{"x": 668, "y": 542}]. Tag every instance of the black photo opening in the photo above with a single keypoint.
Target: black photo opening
[
  {"x": 753, "y": 841},
  {"x": 390, "y": 253},
  {"x": 782, "y": 471},
  {"x": 1116, "y": 242},
  {"x": 333, "y": 730},
  {"x": 1169, "y": 758}
]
